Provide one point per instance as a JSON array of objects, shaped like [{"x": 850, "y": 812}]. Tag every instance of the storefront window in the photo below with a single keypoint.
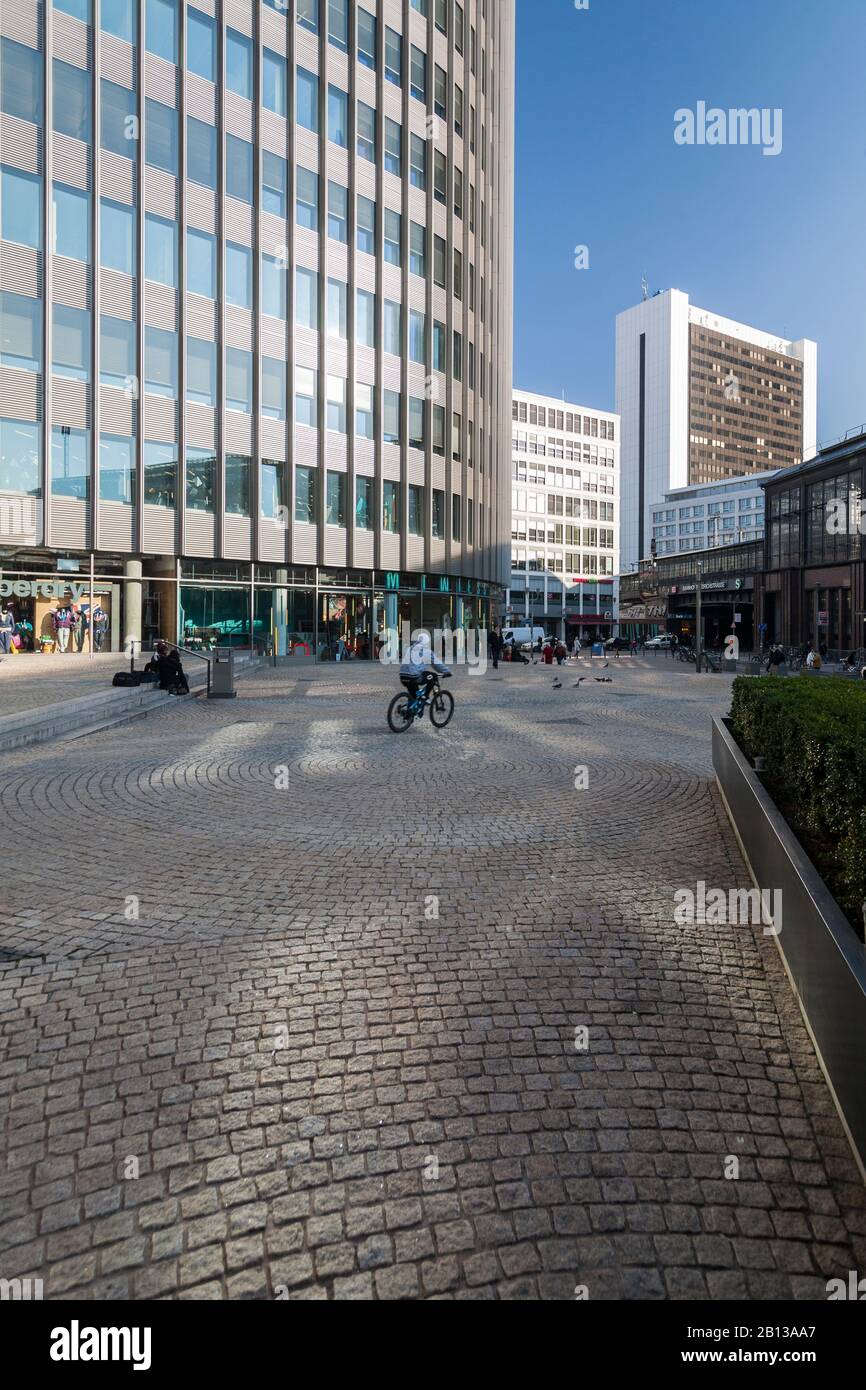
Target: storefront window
[
  {"x": 214, "y": 617},
  {"x": 70, "y": 462}
]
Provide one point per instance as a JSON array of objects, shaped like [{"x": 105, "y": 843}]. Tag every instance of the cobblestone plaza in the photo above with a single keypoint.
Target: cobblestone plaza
[{"x": 291, "y": 1007}]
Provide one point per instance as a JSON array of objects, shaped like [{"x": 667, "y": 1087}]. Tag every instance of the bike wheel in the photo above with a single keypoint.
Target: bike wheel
[
  {"x": 442, "y": 709},
  {"x": 400, "y": 716}
]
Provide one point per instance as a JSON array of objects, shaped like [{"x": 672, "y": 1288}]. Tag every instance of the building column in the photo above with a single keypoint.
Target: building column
[
  {"x": 281, "y": 614},
  {"x": 132, "y": 606}
]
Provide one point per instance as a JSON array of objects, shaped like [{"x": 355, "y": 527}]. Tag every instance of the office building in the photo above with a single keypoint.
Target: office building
[
  {"x": 704, "y": 399},
  {"x": 255, "y": 313}
]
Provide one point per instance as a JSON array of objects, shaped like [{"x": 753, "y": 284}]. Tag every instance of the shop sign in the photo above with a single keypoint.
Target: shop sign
[
  {"x": 47, "y": 588},
  {"x": 823, "y": 619}
]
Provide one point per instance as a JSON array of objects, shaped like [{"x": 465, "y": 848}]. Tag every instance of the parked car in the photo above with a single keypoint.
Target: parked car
[
  {"x": 617, "y": 644},
  {"x": 663, "y": 643}
]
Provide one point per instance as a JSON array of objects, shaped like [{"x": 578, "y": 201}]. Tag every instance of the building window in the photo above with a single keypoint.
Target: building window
[
  {"x": 394, "y": 57},
  {"x": 305, "y": 496},
  {"x": 307, "y": 199},
  {"x": 274, "y": 287},
  {"x": 391, "y": 507},
  {"x": 239, "y": 275},
  {"x": 338, "y": 117},
  {"x": 20, "y": 457},
  {"x": 417, "y": 336},
  {"x": 273, "y": 485},
  {"x": 71, "y": 342},
  {"x": 364, "y": 504},
  {"x": 239, "y": 169},
  {"x": 418, "y": 162},
  {"x": 416, "y": 510},
  {"x": 20, "y": 207},
  {"x": 239, "y": 380},
  {"x": 363, "y": 411},
  {"x": 308, "y": 15},
  {"x": 237, "y": 485},
  {"x": 71, "y": 222},
  {"x": 70, "y": 462},
  {"x": 336, "y": 405},
  {"x": 161, "y": 29},
  {"x": 391, "y": 417},
  {"x": 160, "y": 131},
  {"x": 273, "y": 184},
  {"x": 21, "y": 81},
  {"x": 307, "y": 103},
  {"x": 338, "y": 212},
  {"x": 416, "y": 423},
  {"x": 338, "y": 24},
  {"x": 365, "y": 319},
  {"x": 366, "y": 132},
  {"x": 160, "y": 250},
  {"x": 201, "y": 263},
  {"x": 160, "y": 474},
  {"x": 306, "y": 298},
  {"x": 336, "y": 499},
  {"x": 418, "y": 249},
  {"x": 306, "y": 396},
  {"x": 200, "y": 479},
  {"x": 200, "y": 372},
  {"x": 274, "y": 83},
  {"x": 71, "y": 101},
  {"x": 273, "y": 402},
  {"x": 201, "y": 159},
  {"x": 367, "y": 39},
  {"x": 393, "y": 147},
  {"x": 455, "y": 518},
  {"x": 366, "y": 225},
  {"x": 116, "y": 352},
  {"x": 393, "y": 236},
  {"x": 392, "y": 327},
  {"x": 338, "y": 311},
  {"x": 418, "y": 79},
  {"x": 117, "y": 240},
  {"x": 200, "y": 43},
  {"x": 117, "y": 123},
  {"x": 239, "y": 64},
  {"x": 116, "y": 469},
  {"x": 438, "y": 518}
]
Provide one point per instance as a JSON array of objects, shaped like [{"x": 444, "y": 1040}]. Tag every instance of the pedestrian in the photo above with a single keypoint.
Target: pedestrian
[
  {"x": 548, "y": 653},
  {"x": 634, "y": 646},
  {"x": 495, "y": 645},
  {"x": 578, "y": 648},
  {"x": 560, "y": 653},
  {"x": 775, "y": 660},
  {"x": 7, "y": 628}
]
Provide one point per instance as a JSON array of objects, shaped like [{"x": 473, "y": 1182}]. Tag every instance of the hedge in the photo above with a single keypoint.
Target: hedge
[{"x": 812, "y": 732}]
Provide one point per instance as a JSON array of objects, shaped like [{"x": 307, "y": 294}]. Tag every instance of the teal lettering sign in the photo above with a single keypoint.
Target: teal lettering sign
[
  {"x": 392, "y": 581},
  {"x": 445, "y": 585}
]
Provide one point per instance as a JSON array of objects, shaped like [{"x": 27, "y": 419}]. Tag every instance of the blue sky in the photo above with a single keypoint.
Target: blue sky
[{"x": 776, "y": 242}]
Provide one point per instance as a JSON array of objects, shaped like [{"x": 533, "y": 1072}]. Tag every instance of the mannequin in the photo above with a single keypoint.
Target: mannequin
[
  {"x": 63, "y": 620},
  {"x": 100, "y": 627},
  {"x": 82, "y": 623}
]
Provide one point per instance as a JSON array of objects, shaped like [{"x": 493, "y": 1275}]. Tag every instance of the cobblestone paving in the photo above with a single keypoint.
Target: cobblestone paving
[{"x": 242, "y": 1056}]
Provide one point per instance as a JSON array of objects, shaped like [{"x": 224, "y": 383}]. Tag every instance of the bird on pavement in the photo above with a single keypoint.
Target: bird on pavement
[
  {"x": 578, "y": 684},
  {"x": 603, "y": 680},
  {"x": 557, "y": 685}
]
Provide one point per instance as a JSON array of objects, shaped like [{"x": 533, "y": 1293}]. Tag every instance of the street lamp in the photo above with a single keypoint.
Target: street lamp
[{"x": 699, "y": 623}]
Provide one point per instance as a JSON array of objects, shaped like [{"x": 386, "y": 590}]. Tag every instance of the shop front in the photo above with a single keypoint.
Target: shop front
[{"x": 68, "y": 614}]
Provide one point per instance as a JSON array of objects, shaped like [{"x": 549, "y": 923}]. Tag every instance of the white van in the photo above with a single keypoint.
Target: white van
[{"x": 525, "y": 637}]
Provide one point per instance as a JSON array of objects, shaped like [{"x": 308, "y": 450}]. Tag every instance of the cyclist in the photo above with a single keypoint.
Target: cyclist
[{"x": 416, "y": 669}]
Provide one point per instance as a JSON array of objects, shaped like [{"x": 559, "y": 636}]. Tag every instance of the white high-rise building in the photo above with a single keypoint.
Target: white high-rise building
[
  {"x": 702, "y": 399},
  {"x": 565, "y": 517}
]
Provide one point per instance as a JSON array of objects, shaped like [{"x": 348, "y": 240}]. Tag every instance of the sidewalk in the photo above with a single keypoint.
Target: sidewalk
[{"x": 31, "y": 680}]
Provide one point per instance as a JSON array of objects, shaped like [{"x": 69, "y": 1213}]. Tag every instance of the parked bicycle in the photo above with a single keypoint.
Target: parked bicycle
[{"x": 405, "y": 708}]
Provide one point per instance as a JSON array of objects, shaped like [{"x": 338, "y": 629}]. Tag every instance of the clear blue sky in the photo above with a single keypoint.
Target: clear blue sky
[{"x": 775, "y": 242}]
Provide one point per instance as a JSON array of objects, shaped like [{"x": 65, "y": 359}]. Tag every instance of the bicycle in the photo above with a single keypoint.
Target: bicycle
[{"x": 404, "y": 709}]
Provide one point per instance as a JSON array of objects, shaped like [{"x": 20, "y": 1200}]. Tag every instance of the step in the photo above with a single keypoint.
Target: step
[{"x": 103, "y": 709}]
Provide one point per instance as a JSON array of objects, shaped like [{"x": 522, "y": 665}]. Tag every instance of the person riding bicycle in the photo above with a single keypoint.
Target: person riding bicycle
[{"x": 415, "y": 671}]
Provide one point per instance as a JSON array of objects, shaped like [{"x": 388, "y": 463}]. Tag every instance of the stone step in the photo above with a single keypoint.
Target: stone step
[{"x": 89, "y": 713}]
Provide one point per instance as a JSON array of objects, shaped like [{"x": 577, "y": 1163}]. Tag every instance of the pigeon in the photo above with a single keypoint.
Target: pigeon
[
  {"x": 603, "y": 680},
  {"x": 578, "y": 684},
  {"x": 557, "y": 685},
  {"x": 605, "y": 666}
]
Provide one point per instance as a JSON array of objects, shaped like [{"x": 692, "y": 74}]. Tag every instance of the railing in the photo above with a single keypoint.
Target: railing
[{"x": 201, "y": 657}]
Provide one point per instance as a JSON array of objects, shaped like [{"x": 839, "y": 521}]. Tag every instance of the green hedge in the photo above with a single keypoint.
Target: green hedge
[{"x": 812, "y": 732}]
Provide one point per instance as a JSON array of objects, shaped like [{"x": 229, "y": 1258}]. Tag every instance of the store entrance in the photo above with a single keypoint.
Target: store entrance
[{"x": 345, "y": 627}]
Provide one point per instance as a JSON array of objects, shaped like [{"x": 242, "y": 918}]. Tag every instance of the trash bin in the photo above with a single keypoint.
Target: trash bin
[
  {"x": 597, "y": 649},
  {"x": 222, "y": 673}
]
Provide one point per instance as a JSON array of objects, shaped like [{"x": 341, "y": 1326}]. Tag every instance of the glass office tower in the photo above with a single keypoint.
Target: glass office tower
[{"x": 255, "y": 310}]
